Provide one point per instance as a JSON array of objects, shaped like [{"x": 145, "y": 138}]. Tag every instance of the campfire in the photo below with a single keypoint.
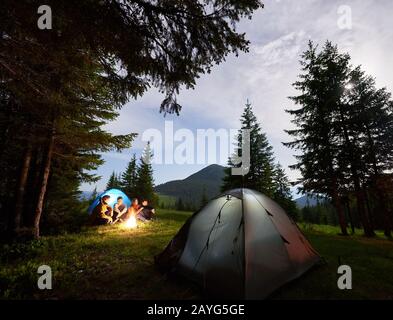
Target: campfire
[{"x": 131, "y": 223}]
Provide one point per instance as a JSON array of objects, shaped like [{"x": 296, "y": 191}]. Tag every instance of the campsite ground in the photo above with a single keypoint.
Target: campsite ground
[{"x": 116, "y": 263}]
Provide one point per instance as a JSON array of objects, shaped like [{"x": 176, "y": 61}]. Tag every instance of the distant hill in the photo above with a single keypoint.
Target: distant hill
[
  {"x": 191, "y": 189},
  {"x": 309, "y": 201}
]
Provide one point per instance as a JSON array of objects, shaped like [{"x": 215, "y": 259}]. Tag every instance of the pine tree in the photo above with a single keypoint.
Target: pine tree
[
  {"x": 261, "y": 171},
  {"x": 62, "y": 133},
  {"x": 316, "y": 132},
  {"x": 282, "y": 194},
  {"x": 179, "y": 205},
  {"x": 306, "y": 214},
  {"x": 368, "y": 121},
  {"x": 345, "y": 133},
  {"x": 129, "y": 178},
  {"x": 113, "y": 182},
  {"x": 180, "y": 40},
  {"x": 93, "y": 195},
  {"x": 145, "y": 181}
]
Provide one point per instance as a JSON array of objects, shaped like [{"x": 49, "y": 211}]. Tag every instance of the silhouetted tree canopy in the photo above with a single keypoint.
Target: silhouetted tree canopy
[
  {"x": 166, "y": 44},
  {"x": 344, "y": 132},
  {"x": 59, "y": 87}
]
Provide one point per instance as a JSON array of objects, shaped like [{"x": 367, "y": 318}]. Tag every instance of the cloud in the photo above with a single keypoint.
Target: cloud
[
  {"x": 278, "y": 35},
  {"x": 279, "y": 51}
]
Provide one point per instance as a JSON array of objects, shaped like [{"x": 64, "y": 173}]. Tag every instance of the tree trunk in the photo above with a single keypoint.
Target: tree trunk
[
  {"x": 340, "y": 211},
  {"x": 379, "y": 194},
  {"x": 365, "y": 218},
  {"x": 22, "y": 187},
  {"x": 350, "y": 217},
  {"x": 388, "y": 223},
  {"x": 44, "y": 183},
  {"x": 382, "y": 200},
  {"x": 360, "y": 199}
]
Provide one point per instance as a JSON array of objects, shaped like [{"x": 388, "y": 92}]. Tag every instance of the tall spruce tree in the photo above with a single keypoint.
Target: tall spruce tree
[
  {"x": 59, "y": 136},
  {"x": 261, "y": 171},
  {"x": 367, "y": 113},
  {"x": 113, "y": 182},
  {"x": 153, "y": 43},
  {"x": 344, "y": 132},
  {"x": 145, "y": 181},
  {"x": 315, "y": 134},
  {"x": 129, "y": 178},
  {"x": 93, "y": 195},
  {"x": 282, "y": 193}
]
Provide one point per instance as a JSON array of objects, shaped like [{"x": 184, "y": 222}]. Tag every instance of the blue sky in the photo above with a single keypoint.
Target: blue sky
[{"x": 278, "y": 35}]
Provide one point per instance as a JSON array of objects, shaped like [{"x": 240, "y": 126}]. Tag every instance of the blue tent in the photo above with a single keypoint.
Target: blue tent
[{"x": 114, "y": 194}]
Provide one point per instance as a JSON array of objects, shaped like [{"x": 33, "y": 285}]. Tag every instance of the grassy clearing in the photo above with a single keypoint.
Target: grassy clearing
[
  {"x": 371, "y": 261},
  {"x": 116, "y": 263}
]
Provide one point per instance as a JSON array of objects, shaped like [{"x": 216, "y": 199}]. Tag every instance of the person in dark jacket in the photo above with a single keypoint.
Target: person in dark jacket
[{"x": 147, "y": 212}]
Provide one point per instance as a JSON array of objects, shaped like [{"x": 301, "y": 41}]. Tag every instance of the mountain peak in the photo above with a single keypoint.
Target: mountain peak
[
  {"x": 211, "y": 172},
  {"x": 191, "y": 189}
]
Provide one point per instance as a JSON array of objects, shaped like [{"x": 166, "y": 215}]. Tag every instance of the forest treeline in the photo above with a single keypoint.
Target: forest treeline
[
  {"x": 263, "y": 174},
  {"x": 60, "y": 86},
  {"x": 137, "y": 180},
  {"x": 343, "y": 135}
]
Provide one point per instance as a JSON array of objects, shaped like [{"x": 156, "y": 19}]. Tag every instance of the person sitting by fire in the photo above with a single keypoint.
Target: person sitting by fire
[
  {"x": 102, "y": 213},
  {"x": 119, "y": 210},
  {"x": 147, "y": 212},
  {"x": 133, "y": 210}
]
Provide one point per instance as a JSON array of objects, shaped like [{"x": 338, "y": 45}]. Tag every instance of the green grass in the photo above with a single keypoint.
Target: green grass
[
  {"x": 371, "y": 261},
  {"x": 116, "y": 263}
]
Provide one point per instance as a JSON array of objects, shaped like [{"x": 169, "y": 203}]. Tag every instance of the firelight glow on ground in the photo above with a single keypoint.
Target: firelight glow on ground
[{"x": 131, "y": 223}]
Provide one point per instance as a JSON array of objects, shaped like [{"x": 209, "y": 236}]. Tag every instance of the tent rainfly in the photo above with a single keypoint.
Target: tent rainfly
[{"x": 240, "y": 245}]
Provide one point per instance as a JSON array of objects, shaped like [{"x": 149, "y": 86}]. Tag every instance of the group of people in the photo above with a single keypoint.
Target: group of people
[{"x": 103, "y": 213}]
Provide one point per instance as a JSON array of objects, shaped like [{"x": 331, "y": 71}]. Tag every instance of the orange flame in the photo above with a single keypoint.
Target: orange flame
[{"x": 131, "y": 223}]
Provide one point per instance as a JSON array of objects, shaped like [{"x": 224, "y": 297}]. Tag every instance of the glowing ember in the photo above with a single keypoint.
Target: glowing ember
[{"x": 131, "y": 223}]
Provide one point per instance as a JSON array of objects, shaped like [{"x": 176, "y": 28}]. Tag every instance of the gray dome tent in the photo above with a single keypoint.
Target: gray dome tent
[{"x": 240, "y": 245}]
